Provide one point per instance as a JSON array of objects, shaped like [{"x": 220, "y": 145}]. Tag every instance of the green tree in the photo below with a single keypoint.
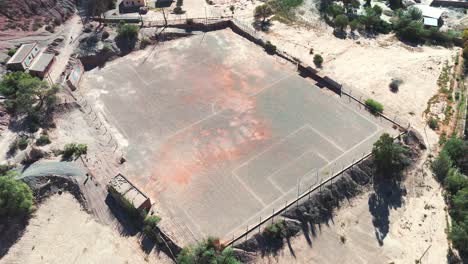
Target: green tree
[
  {"x": 262, "y": 12},
  {"x": 15, "y": 197},
  {"x": 455, "y": 181},
  {"x": 441, "y": 165},
  {"x": 459, "y": 235},
  {"x": 457, "y": 150},
  {"x": 389, "y": 157},
  {"x": 127, "y": 31},
  {"x": 26, "y": 94},
  {"x": 207, "y": 251},
  {"x": 374, "y": 106},
  {"x": 341, "y": 21},
  {"x": 318, "y": 60},
  {"x": 335, "y": 10}
]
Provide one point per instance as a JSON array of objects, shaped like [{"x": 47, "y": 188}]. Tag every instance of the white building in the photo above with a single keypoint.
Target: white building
[{"x": 432, "y": 15}]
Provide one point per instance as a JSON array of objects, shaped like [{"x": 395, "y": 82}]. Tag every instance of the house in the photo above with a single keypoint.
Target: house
[
  {"x": 432, "y": 16},
  {"x": 129, "y": 196},
  {"x": 23, "y": 57},
  {"x": 30, "y": 58},
  {"x": 75, "y": 75}
]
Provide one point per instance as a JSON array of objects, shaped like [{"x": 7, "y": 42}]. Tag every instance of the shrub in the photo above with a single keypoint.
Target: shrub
[
  {"x": 127, "y": 31},
  {"x": 144, "y": 42},
  {"x": 441, "y": 166},
  {"x": 455, "y": 181},
  {"x": 207, "y": 251},
  {"x": 262, "y": 12},
  {"x": 395, "y": 85},
  {"x": 43, "y": 140},
  {"x": 23, "y": 143},
  {"x": 15, "y": 197},
  {"x": 433, "y": 123},
  {"x": 11, "y": 52},
  {"x": 105, "y": 35},
  {"x": 150, "y": 226},
  {"x": 341, "y": 22},
  {"x": 456, "y": 149},
  {"x": 270, "y": 48},
  {"x": 74, "y": 150},
  {"x": 374, "y": 106},
  {"x": 189, "y": 21},
  {"x": 275, "y": 230},
  {"x": 318, "y": 60}
]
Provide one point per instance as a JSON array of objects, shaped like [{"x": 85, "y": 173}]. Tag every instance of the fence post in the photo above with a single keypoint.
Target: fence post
[{"x": 273, "y": 216}]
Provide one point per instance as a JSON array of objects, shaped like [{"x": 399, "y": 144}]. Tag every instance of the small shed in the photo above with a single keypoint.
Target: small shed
[
  {"x": 128, "y": 195},
  {"x": 432, "y": 16}
]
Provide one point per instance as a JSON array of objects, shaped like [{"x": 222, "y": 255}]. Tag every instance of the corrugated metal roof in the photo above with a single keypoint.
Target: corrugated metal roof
[
  {"x": 41, "y": 62},
  {"x": 429, "y": 11},
  {"x": 21, "y": 53}
]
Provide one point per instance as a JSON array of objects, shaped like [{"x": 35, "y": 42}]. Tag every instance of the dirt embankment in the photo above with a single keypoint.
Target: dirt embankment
[{"x": 29, "y": 15}]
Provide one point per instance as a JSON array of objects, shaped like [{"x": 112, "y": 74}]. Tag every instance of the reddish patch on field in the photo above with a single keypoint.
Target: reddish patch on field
[{"x": 210, "y": 144}]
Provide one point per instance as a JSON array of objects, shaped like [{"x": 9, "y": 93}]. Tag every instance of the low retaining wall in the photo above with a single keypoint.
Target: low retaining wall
[{"x": 450, "y": 3}]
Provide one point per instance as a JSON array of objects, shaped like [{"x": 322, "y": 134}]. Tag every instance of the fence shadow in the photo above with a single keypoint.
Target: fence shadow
[{"x": 128, "y": 223}]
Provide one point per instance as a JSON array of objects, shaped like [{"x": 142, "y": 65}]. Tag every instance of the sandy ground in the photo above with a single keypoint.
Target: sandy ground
[
  {"x": 414, "y": 227},
  {"x": 61, "y": 232}
]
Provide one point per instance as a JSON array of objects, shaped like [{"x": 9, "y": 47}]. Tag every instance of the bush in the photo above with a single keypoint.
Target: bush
[
  {"x": 374, "y": 106},
  {"x": 74, "y": 150},
  {"x": 150, "y": 226},
  {"x": 262, "y": 12},
  {"x": 209, "y": 250},
  {"x": 15, "y": 197},
  {"x": 270, "y": 48},
  {"x": 105, "y": 35},
  {"x": 275, "y": 231},
  {"x": 441, "y": 166},
  {"x": 318, "y": 60},
  {"x": 144, "y": 42},
  {"x": 395, "y": 85},
  {"x": 11, "y": 52},
  {"x": 341, "y": 22},
  {"x": 456, "y": 149},
  {"x": 455, "y": 181},
  {"x": 23, "y": 143},
  {"x": 127, "y": 31},
  {"x": 433, "y": 123},
  {"x": 43, "y": 140}
]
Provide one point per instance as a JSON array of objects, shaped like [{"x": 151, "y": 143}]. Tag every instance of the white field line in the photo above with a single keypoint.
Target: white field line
[
  {"x": 326, "y": 138},
  {"x": 292, "y": 189}
]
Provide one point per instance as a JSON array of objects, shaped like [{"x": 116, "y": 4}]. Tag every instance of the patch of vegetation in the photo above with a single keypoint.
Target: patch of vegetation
[
  {"x": 15, "y": 197},
  {"x": 43, "y": 140},
  {"x": 433, "y": 123},
  {"x": 444, "y": 78},
  {"x": 127, "y": 31},
  {"x": 450, "y": 168},
  {"x": 285, "y": 8},
  {"x": 261, "y": 13},
  {"x": 11, "y": 52},
  {"x": 395, "y": 85},
  {"x": 318, "y": 60},
  {"x": 409, "y": 27},
  {"x": 389, "y": 157},
  {"x": 73, "y": 150},
  {"x": 374, "y": 106},
  {"x": 28, "y": 98},
  {"x": 210, "y": 251},
  {"x": 150, "y": 226},
  {"x": 275, "y": 231},
  {"x": 23, "y": 143}
]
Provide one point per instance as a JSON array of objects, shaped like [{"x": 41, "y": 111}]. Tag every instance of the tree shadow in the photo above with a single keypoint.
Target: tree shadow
[
  {"x": 388, "y": 194},
  {"x": 130, "y": 224},
  {"x": 11, "y": 230},
  {"x": 262, "y": 25}
]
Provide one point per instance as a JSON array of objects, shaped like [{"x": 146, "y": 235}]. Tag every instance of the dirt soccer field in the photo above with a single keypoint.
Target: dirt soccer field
[{"x": 219, "y": 133}]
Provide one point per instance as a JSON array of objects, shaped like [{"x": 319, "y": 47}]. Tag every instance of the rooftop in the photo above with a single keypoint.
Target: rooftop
[
  {"x": 41, "y": 62},
  {"x": 128, "y": 190},
  {"x": 429, "y": 11},
  {"x": 21, "y": 53}
]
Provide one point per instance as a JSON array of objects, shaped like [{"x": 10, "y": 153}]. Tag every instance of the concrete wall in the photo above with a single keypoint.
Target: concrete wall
[{"x": 448, "y": 3}]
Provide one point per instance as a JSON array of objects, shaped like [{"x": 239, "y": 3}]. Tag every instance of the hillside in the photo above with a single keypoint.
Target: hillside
[{"x": 29, "y": 15}]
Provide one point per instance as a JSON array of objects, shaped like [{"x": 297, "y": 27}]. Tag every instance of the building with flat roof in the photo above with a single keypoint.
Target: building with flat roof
[
  {"x": 30, "y": 58},
  {"x": 128, "y": 194},
  {"x": 432, "y": 16}
]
